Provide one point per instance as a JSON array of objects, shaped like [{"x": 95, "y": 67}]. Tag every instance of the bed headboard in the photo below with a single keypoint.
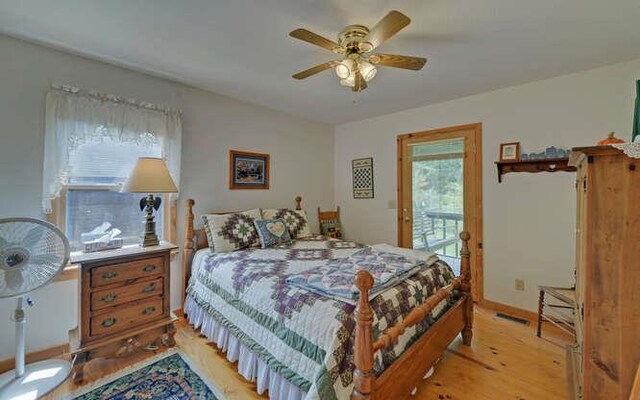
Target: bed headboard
[{"x": 196, "y": 239}]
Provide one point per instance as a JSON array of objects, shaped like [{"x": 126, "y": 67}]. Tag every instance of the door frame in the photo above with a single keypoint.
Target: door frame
[{"x": 472, "y": 184}]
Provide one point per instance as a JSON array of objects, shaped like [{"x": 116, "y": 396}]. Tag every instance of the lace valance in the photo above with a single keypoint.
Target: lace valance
[
  {"x": 90, "y": 133},
  {"x": 631, "y": 149}
]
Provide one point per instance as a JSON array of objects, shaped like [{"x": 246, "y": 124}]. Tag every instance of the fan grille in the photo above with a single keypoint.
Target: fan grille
[{"x": 32, "y": 253}]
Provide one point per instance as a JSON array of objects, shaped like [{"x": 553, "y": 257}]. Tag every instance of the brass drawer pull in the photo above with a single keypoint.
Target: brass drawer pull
[
  {"x": 110, "y": 298},
  {"x": 149, "y": 288},
  {"x": 109, "y": 322},
  {"x": 148, "y": 310},
  {"x": 107, "y": 276},
  {"x": 149, "y": 268}
]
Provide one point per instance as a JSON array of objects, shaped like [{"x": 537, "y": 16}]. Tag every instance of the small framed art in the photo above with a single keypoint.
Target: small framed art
[
  {"x": 248, "y": 170},
  {"x": 362, "y": 178},
  {"x": 510, "y": 151}
]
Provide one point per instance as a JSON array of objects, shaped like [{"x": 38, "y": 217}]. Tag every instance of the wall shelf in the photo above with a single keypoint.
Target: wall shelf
[{"x": 533, "y": 166}]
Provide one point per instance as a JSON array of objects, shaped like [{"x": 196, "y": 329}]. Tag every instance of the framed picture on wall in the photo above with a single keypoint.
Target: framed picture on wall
[
  {"x": 510, "y": 151},
  {"x": 362, "y": 178},
  {"x": 248, "y": 170}
]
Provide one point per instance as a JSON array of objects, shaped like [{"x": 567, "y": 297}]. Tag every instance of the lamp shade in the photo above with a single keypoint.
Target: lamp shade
[{"x": 150, "y": 175}]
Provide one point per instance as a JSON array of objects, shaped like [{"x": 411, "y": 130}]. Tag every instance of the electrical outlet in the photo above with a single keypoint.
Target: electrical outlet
[{"x": 519, "y": 284}]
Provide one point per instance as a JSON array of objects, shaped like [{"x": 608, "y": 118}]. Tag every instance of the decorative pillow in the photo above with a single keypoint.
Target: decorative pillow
[
  {"x": 229, "y": 232},
  {"x": 272, "y": 232},
  {"x": 331, "y": 228},
  {"x": 296, "y": 220}
]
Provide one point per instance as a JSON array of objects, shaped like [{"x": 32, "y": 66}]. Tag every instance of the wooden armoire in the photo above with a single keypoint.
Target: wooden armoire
[{"x": 603, "y": 363}]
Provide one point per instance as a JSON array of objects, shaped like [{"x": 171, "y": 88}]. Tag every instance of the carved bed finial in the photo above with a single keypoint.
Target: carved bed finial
[
  {"x": 363, "y": 377},
  {"x": 188, "y": 248},
  {"x": 465, "y": 273},
  {"x": 298, "y": 201}
]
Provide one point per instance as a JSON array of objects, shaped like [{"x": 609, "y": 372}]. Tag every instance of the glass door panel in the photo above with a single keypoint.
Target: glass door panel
[{"x": 437, "y": 169}]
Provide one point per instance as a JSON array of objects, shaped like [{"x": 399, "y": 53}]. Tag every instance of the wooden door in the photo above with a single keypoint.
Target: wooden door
[{"x": 470, "y": 136}]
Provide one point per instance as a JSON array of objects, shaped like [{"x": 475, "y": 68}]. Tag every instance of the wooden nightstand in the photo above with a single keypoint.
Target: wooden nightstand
[{"x": 124, "y": 304}]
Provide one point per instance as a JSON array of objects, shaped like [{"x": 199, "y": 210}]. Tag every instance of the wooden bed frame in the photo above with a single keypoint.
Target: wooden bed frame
[{"x": 399, "y": 379}]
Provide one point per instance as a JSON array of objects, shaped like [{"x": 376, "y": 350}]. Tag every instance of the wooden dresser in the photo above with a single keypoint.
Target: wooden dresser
[
  {"x": 603, "y": 363},
  {"x": 124, "y": 303}
]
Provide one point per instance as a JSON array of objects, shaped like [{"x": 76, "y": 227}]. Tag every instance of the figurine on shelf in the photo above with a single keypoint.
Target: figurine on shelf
[
  {"x": 551, "y": 152},
  {"x": 611, "y": 139}
]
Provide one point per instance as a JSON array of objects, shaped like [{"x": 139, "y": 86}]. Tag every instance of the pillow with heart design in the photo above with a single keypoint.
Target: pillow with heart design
[
  {"x": 296, "y": 220},
  {"x": 272, "y": 232}
]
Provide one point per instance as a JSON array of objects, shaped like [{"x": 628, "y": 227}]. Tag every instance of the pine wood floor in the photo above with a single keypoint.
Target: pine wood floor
[{"x": 505, "y": 361}]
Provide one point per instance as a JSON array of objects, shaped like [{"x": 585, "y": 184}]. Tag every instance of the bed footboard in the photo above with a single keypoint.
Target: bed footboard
[{"x": 404, "y": 374}]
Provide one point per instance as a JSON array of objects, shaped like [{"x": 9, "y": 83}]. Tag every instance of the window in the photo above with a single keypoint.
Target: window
[
  {"x": 92, "y": 196},
  {"x": 91, "y": 145}
]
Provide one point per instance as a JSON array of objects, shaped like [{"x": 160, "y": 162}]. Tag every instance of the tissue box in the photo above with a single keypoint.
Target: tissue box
[{"x": 100, "y": 246}]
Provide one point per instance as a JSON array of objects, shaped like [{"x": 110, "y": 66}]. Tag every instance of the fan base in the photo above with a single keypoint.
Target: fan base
[{"x": 39, "y": 379}]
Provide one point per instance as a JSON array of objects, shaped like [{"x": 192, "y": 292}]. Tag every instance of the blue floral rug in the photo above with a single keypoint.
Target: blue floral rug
[{"x": 170, "y": 378}]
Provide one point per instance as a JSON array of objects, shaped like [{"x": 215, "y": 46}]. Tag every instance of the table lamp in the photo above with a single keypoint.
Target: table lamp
[{"x": 150, "y": 175}]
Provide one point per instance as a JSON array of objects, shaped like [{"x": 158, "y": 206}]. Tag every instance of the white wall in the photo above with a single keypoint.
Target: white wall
[
  {"x": 529, "y": 218},
  {"x": 301, "y": 155}
]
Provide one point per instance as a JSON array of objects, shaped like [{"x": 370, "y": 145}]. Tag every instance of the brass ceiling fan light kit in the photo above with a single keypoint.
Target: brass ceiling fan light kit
[{"x": 357, "y": 65}]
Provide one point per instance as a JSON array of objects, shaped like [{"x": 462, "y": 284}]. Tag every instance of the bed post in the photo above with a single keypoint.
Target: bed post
[
  {"x": 465, "y": 273},
  {"x": 187, "y": 249},
  {"x": 363, "y": 376},
  {"x": 298, "y": 201}
]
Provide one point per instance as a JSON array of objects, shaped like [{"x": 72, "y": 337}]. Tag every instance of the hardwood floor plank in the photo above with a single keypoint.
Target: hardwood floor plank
[{"x": 506, "y": 361}]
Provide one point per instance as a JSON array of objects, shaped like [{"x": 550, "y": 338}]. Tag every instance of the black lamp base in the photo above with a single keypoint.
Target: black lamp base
[
  {"x": 150, "y": 239},
  {"x": 149, "y": 204}
]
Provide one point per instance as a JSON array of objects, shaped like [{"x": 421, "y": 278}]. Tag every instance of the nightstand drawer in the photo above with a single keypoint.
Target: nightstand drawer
[
  {"x": 125, "y": 316},
  {"x": 114, "y": 273},
  {"x": 111, "y": 297}
]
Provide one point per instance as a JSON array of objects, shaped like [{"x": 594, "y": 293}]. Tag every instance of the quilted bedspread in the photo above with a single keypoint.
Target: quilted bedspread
[
  {"x": 304, "y": 336},
  {"x": 335, "y": 278}
]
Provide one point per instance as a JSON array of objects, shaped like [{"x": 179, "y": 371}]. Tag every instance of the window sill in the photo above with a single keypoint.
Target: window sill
[{"x": 72, "y": 271}]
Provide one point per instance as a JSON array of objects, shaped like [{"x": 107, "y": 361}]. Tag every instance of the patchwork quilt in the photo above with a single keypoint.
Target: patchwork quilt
[
  {"x": 306, "y": 337},
  {"x": 335, "y": 278}
]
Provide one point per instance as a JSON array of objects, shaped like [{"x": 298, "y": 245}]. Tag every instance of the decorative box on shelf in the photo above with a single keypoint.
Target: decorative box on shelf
[{"x": 124, "y": 303}]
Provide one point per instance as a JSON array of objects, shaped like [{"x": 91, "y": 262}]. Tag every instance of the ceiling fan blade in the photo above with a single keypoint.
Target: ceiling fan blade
[
  {"x": 397, "y": 61},
  {"x": 313, "y": 70},
  {"x": 313, "y": 38},
  {"x": 388, "y": 26},
  {"x": 360, "y": 83}
]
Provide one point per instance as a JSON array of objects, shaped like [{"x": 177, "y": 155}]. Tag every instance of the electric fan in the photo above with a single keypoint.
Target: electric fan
[{"x": 32, "y": 253}]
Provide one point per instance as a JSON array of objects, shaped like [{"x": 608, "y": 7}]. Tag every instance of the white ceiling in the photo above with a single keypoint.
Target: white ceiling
[{"x": 240, "y": 48}]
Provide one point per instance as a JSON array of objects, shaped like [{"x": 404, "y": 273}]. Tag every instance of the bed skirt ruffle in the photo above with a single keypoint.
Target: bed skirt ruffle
[{"x": 249, "y": 365}]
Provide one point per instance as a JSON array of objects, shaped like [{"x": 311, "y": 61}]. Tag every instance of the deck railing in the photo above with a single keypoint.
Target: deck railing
[{"x": 437, "y": 231}]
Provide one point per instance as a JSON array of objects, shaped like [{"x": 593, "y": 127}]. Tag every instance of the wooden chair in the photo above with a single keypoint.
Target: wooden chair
[
  {"x": 329, "y": 222},
  {"x": 558, "y": 311}
]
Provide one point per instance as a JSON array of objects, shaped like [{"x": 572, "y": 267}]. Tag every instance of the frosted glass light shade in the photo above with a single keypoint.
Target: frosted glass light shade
[
  {"x": 367, "y": 70},
  {"x": 345, "y": 71},
  {"x": 150, "y": 175},
  {"x": 344, "y": 68},
  {"x": 349, "y": 82}
]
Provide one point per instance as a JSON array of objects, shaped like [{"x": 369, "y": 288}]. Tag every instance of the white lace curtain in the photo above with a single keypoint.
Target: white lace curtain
[{"x": 75, "y": 118}]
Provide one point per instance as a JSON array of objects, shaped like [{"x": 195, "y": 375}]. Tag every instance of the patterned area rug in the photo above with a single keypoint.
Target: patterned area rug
[{"x": 168, "y": 378}]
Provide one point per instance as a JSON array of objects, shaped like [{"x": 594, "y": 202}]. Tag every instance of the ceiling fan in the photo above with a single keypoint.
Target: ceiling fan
[{"x": 356, "y": 66}]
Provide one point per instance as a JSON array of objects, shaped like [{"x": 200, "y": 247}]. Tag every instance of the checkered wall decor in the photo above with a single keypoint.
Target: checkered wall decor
[{"x": 363, "y": 178}]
